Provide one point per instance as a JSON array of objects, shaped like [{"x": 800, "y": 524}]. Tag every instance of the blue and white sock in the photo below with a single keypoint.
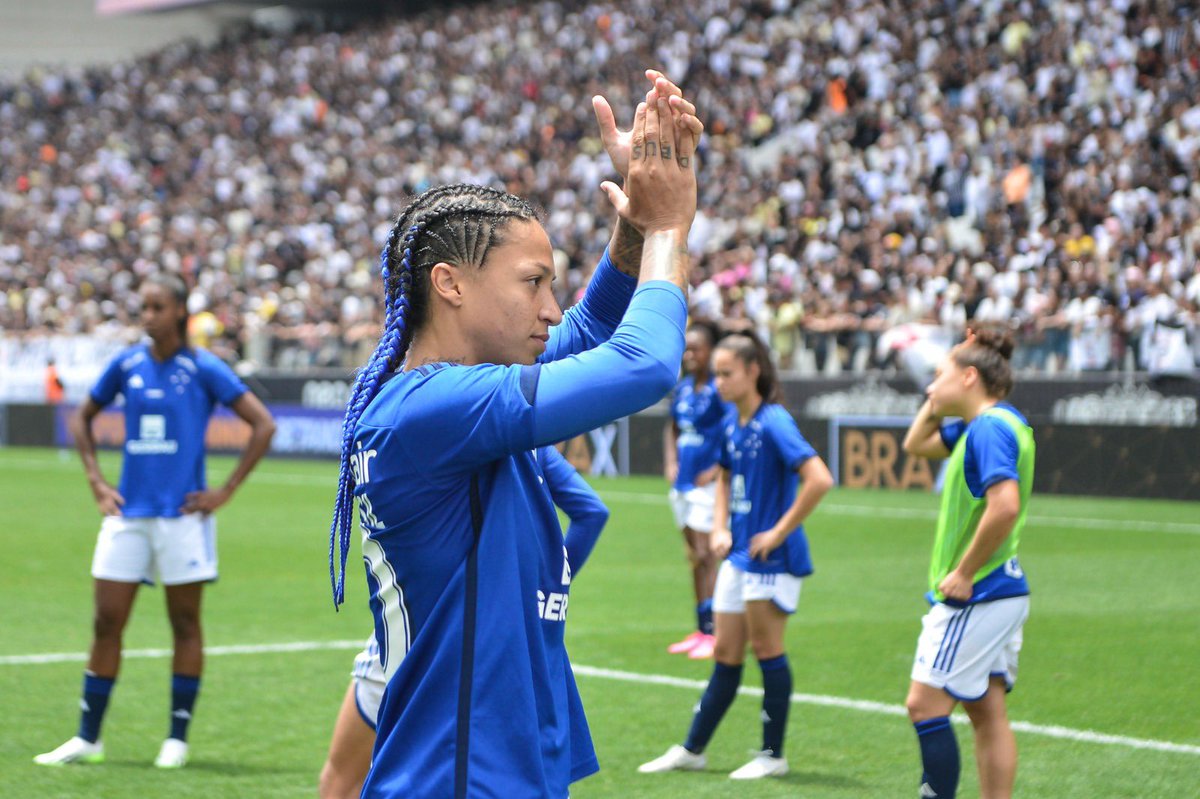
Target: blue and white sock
[
  {"x": 183, "y": 698},
  {"x": 96, "y": 691},
  {"x": 939, "y": 758},
  {"x": 718, "y": 696},
  {"x": 777, "y": 698}
]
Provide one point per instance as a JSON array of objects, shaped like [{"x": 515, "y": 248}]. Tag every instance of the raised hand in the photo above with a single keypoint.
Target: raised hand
[
  {"x": 617, "y": 142},
  {"x": 660, "y": 188}
]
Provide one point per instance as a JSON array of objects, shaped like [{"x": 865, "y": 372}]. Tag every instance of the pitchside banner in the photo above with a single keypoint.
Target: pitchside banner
[
  {"x": 299, "y": 431},
  {"x": 866, "y": 452}
]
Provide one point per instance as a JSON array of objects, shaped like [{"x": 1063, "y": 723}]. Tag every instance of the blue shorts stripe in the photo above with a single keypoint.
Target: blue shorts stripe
[
  {"x": 962, "y": 630},
  {"x": 946, "y": 639}
]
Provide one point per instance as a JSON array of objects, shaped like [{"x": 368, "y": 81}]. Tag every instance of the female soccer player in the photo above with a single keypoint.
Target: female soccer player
[
  {"x": 354, "y": 732},
  {"x": 971, "y": 636},
  {"x": 158, "y": 523},
  {"x": 764, "y": 461},
  {"x": 465, "y": 564},
  {"x": 691, "y": 443}
]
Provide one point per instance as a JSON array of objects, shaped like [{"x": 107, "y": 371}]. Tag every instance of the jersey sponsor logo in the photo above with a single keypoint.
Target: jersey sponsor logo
[
  {"x": 152, "y": 437},
  {"x": 137, "y": 382},
  {"x": 552, "y": 606},
  {"x": 739, "y": 503}
]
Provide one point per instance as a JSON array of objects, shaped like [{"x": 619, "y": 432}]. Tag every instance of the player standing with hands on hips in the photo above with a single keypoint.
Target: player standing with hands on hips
[
  {"x": 158, "y": 523},
  {"x": 971, "y": 636},
  {"x": 771, "y": 480},
  {"x": 466, "y": 569}
]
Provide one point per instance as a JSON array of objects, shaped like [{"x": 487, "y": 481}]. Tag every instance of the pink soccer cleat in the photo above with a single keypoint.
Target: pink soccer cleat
[
  {"x": 704, "y": 647},
  {"x": 687, "y": 644}
]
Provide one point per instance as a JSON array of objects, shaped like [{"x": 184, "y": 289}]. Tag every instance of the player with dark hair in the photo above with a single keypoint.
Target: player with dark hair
[
  {"x": 691, "y": 444},
  {"x": 979, "y": 597},
  {"x": 771, "y": 481},
  {"x": 354, "y": 732},
  {"x": 158, "y": 523},
  {"x": 466, "y": 569}
]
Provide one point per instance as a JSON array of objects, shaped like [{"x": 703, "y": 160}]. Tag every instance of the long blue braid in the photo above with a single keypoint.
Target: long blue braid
[{"x": 366, "y": 386}]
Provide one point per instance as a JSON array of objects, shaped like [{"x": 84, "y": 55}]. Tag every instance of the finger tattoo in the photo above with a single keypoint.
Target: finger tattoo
[
  {"x": 651, "y": 149},
  {"x": 684, "y": 161},
  {"x": 637, "y": 152},
  {"x": 666, "y": 152}
]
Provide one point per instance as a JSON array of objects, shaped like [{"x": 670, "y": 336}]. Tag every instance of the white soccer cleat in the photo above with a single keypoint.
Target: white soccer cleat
[
  {"x": 677, "y": 758},
  {"x": 763, "y": 765},
  {"x": 75, "y": 750},
  {"x": 172, "y": 755}
]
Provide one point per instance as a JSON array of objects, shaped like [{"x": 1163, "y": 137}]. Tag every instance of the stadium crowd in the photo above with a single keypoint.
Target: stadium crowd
[{"x": 868, "y": 166}]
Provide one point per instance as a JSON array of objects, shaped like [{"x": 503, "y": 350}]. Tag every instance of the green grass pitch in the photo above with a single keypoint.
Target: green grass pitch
[{"x": 1112, "y": 647}]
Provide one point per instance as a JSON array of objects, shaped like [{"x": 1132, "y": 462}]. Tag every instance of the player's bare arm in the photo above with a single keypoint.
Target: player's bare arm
[
  {"x": 924, "y": 436},
  {"x": 1003, "y": 508},
  {"x": 816, "y": 481},
  {"x": 262, "y": 429},
  {"x": 108, "y": 499}
]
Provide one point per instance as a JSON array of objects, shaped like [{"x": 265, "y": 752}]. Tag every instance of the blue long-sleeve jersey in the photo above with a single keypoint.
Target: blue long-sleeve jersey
[{"x": 468, "y": 575}]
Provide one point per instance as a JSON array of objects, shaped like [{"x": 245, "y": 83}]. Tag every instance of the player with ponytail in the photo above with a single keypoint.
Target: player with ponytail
[
  {"x": 467, "y": 571},
  {"x": 971, "y": 637},
  {"x": 770, "y": 481}
]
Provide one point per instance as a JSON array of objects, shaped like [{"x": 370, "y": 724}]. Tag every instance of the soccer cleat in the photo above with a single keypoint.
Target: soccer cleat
[
  {"x": 686, "y": 645},
  {"x": 703, "y": 648},
  {"x": 763, "y": 765},
  {"x": 173, "y": 754},
  {"x": 75, "y": 750},
  {"x": 677, "y": 758}
]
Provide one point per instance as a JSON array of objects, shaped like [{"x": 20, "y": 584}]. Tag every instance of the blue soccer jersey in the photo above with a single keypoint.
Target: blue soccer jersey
[
  {"x": 574, "y": 497},
  {"x": 698, "y": 412},
  {"x": 762, "y": 457},
  {"x": 167, "y": 406},
  {"x": 466, "y": 564}
]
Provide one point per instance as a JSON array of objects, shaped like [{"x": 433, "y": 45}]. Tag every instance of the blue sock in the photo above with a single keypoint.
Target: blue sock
[
  {"x": 96, "y": 691},
  {"x": 777, "y": 698},
  {"x": 718, "y": 696},
  {"x": 704, "y": 620},
  {"x": 183, "y": 698},
  {"x": 939, "y": 758}
]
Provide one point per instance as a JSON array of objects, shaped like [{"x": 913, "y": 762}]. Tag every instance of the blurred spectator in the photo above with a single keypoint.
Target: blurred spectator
[{"x": 1036, "y": 164}]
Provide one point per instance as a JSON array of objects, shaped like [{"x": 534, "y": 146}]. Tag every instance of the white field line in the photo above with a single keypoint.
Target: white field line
[
  {"x": 834, "y": 508},
  {"x": 865, "y": 706},
  {"x": 861, "y": 705}
]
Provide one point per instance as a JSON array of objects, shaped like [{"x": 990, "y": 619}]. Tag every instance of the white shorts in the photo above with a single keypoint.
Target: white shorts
[
  {"x": 173, "y": 551},
  {"x": 694, "y": 508},
  {"x": 735, "y": 588},
  {"x": 961, "y": 648},
  {"x": 369, "y": 682}
]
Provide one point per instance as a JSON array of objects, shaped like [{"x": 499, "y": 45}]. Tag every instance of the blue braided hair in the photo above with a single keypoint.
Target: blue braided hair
[{"x": 455, "y": 224}]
